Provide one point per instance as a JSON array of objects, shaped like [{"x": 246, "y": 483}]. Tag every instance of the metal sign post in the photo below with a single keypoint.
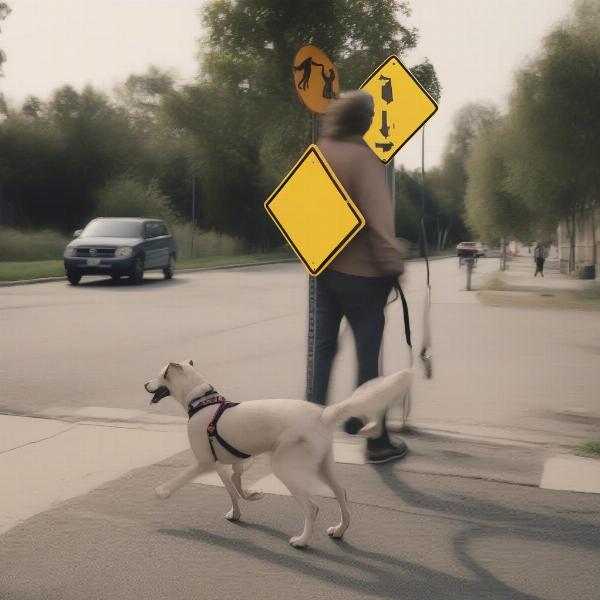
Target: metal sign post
[
  {"x": 317, "y": 82},
  {"x": 312, "y": 299}
]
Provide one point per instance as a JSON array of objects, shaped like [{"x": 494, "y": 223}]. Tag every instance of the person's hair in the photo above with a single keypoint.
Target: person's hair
[{"x": 349, "y": 115}]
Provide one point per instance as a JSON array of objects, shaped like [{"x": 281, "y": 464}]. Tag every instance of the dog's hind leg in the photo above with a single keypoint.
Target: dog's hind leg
[
  {"x": 296, "y": 468},
  {"x": 234, "y": 514},
  {"x": 166, "y": 489},
  {"x": 236, "y": 478},
  {"x": 327, "y": 475}
]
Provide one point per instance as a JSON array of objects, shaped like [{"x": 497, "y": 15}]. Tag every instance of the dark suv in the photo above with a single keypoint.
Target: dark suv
[{"x": 120, "y": 246}]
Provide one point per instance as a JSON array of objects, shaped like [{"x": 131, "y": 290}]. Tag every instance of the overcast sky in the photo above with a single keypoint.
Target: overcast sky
[{"x": 475, "y": 46}]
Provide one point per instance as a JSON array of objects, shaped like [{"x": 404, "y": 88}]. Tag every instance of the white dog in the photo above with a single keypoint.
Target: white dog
[{"x": 298, "y": 434}]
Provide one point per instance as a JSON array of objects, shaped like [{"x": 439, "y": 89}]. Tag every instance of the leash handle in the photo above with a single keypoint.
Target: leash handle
[{"x": 398, "y": 289}]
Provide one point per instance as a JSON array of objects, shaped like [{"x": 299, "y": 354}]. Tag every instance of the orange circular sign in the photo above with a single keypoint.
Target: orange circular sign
[{"x": 316, "y": 78}]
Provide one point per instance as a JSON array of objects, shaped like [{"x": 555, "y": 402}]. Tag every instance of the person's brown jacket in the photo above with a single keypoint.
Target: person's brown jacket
[{"x": 375, "y": 251}]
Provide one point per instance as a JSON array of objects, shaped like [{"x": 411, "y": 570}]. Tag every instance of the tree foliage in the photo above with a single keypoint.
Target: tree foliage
[
  {"x": 247, "y": 124},
  {"x": 5, "y": 10},
  {"x": 538, "y": 165},
  {"x": 492, "y": 210},
  {"x": 230, "y": 136},
  {"x": 554, "y": 119}
]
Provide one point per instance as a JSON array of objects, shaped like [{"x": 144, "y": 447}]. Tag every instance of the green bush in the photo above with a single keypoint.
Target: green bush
[
  {"x": 31, "y": 245},
  {"x": 206, "y": 243},
  {"x": 126, "y": 196}
]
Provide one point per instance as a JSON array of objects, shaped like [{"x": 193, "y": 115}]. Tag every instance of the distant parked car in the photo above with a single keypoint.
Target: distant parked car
[
  {"x": 120, "y": 247},
  {"x": 468, "y": 249}
]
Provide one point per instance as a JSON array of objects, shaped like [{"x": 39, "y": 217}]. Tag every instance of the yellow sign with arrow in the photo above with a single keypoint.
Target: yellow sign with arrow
[{"x": 402, "y": 107}]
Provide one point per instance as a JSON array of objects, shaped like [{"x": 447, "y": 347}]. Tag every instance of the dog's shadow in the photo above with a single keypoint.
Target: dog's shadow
[{"x": 375, "y": 574}]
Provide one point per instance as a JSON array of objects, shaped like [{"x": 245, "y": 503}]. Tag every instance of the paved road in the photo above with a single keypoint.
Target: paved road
[
  {"x": 413, "y": 537},
  {"x": 455, "y": 519},
  {"x": 505, "y": 370}
]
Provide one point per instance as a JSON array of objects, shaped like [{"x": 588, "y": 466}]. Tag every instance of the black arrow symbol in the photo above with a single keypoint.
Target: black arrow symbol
[
  {"x": 385, "y": 147},
  {"x": 387, "y": 94},
  {"x": 385, "y": 130}
]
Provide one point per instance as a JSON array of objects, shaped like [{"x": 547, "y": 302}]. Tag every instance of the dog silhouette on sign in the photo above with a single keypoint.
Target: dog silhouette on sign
[{"x": 328, "y": 83}]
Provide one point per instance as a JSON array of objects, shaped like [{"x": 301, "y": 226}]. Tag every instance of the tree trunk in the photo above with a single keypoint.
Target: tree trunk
[
  {"x": 572, "y": 238},
  {"x": 503, "y": 257},
  {"x": 570, "y": 224},
  {"x": 594, "y": 252}
]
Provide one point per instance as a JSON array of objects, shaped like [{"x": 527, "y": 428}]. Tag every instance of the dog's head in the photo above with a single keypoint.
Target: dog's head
[{"x": 175, "y": 380}]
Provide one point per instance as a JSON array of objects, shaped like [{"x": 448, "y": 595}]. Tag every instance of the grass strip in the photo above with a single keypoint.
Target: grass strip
[
  {"x": 590, "y": 449},
  {"x": 26, "y": 270}
]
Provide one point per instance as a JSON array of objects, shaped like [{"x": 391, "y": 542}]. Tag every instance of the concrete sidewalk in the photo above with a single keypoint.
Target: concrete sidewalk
[
  {"x": 520, "y": 275},
  {"x": 412, "y": 535},
  {"x": 62, "y": 453}
]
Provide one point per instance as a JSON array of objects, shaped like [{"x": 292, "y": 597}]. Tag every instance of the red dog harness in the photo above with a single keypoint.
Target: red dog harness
[{"x": 198, "y": 404}]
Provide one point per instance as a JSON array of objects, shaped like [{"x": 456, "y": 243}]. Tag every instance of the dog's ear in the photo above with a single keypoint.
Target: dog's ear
[{"x": 171, "y": 365}]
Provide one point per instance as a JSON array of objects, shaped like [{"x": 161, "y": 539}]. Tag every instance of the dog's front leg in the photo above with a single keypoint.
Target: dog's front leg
[
  {"x": 166, "y": 489},
  {"x": 234, "y": 514},
  {"x": 236, "y": 478}
]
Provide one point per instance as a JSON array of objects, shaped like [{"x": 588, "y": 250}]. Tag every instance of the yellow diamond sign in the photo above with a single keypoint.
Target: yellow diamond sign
[
  {"x": 313, "y": 211},
  {"x": 402, "y": 107}
]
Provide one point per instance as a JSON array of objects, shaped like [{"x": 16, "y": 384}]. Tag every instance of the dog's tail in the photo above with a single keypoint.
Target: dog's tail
[{"x": 370, "y": 401}]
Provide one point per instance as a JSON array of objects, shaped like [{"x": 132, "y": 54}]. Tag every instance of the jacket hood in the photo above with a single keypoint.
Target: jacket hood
[{"x": 347, "y": 116}]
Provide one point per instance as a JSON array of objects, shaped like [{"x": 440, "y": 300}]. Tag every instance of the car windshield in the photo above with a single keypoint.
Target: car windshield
[{"x": 113, "y": 228}]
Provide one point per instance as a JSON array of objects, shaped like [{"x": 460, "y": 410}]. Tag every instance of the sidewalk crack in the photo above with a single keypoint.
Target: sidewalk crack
[{"x": 40, "y": 440}]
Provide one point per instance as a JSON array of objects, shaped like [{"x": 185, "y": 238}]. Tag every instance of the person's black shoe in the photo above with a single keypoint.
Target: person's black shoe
[
  {"x": 353, "y": 425},
  {"x": 382, "y": 454}
]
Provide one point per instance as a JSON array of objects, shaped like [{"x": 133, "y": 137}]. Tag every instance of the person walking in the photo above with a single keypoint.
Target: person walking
[
  {"x": 539, "y": 255},
  {"x": 358, "y": 282}
]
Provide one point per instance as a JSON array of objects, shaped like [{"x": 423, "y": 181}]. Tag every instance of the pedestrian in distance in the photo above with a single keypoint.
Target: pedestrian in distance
[
  {"x": 539, "y": 256},
  {"x": 358, "y": 282}
]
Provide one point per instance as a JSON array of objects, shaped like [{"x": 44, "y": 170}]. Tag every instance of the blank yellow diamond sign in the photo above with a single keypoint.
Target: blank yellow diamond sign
[
  {"x": 402, "y": 106},
  {"x": 313, "y": 211}
]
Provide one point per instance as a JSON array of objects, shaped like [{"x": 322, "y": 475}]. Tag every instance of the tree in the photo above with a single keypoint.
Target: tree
[
  {"x": 164, "y": 155},
  {"x": 247, "y": 124},
  {"x": 5, "y": 10},
  {"x": 410, "y": 195},
  {"x": 554, "y": 123},
  {"x": 450, "y": 180},
  {"x": 492, "y": 210},
  {"x": 55, "y": 156}
]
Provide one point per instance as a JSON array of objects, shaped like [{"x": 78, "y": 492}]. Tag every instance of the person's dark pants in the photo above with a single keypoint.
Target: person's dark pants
[
  {"x": 361, "y": 300},
  {"x": 539, "y": 266}
]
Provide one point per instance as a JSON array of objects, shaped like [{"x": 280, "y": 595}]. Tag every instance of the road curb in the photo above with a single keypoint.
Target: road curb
[
  {"x": 194, "y": 270},
  {"x": 190, "y": 270}
]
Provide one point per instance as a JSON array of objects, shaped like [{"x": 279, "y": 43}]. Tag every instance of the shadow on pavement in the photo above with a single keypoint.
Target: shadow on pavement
[
  {"x": 508, "y": 525},
  {"x": 125, "y": 284},
  {"x": 384, "y": 576}
]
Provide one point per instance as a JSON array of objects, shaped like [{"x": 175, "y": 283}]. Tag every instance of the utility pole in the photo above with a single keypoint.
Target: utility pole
[{"x": 193, "y": 214}]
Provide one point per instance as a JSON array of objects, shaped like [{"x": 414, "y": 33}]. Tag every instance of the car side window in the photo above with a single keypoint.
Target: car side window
[
  {"x": 161, "y": 229},
  {"x": 150, "y": 230}
]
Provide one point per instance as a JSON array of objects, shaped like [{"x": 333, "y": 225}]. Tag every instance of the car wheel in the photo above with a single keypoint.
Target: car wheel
[
  {"x": 74, "y": 277},
  {"x": 137, "y": 271},
  {"x": 170, "y": 268}
]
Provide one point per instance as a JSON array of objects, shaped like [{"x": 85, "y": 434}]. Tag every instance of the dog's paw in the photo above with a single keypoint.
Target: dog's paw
[
  {"x": 254, "y": 495},
  {"x": 298, "y": 542},
  {"x": 162, "y": 492},
  {"x": 233, "y": 515},
  {"x": 336, "y": 532}
]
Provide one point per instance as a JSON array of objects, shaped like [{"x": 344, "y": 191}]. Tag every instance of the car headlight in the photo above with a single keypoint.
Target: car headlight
[
  {"x": 123, "y": 251},
  {"x": 69, "y": 251}
]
